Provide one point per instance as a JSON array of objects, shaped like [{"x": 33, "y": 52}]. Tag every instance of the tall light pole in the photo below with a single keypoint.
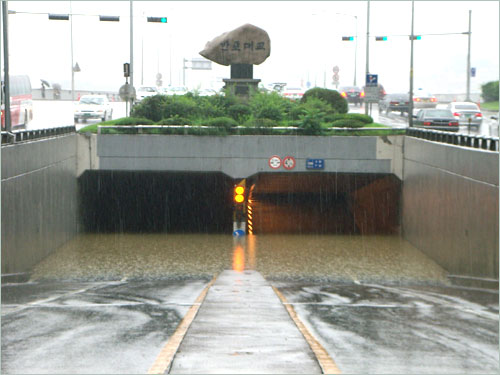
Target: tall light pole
[
  {"x": 6, "y": 91},
  {"x": 72, "y": 67},
  {"x": 131, "y": 45},
  {"x": 367, "y": 48},
  {"x": 467, "y": 98},
  {"x": 410, "y": 100}
]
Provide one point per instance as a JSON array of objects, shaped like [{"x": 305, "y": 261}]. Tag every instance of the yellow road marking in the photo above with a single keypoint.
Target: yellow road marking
[
  {"x": 326, "y": 362},
  {"x": 168, "y": 352}
]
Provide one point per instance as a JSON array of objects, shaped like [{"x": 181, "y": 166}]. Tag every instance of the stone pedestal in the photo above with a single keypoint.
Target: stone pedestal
[{"x": 242, "y": 87}]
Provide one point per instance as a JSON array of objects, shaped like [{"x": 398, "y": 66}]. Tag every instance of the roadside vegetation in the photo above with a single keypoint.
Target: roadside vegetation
[
  {"x": 316, "y": 113},
  {"x": 490, "y": 94}
]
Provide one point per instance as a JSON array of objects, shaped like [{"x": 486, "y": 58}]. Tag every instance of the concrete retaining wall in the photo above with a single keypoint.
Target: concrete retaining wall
[
  {"x": 450, "y": 206},
  {"x": 39, "y": 200},
  {"x": 243, "y": 156}
]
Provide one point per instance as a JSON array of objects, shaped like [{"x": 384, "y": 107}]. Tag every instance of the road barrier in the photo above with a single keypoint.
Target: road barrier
[
  {"x": 27, "y": 135},
  {"x": 459, "y": 139}
]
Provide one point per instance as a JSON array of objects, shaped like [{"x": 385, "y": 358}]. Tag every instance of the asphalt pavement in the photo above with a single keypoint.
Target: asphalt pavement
[{"x": 121, "y": 327}]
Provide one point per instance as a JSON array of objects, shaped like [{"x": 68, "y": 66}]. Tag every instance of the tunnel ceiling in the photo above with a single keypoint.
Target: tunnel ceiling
[{"x": 274, "y": 183}]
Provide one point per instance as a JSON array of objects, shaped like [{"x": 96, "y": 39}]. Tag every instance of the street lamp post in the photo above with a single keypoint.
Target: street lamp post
[
  {"x": 467, "y": 99},
  {"x": 410, "y": 100},
  {"x": 72, "y": 66},
  {"x": 367, "y": 48}
]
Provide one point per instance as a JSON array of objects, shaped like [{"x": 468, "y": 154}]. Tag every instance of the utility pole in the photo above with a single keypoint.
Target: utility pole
[
  {"x": 367, "y": 49},
  {"x": 410, "y": 104},
  {"x": 467, "y": 98}
]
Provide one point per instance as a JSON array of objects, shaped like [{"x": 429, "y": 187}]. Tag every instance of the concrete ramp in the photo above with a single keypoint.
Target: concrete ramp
[{"x": 243, "y": 328}]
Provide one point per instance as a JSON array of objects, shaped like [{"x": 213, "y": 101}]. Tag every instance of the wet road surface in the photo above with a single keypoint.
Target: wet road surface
[{"x": 108, "y": 303}]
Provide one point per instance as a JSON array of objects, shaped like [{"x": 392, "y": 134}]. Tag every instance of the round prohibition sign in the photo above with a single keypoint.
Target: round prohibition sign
[
  {"x": 274, "y": 162},
  {"x": 289, "y": 162}
]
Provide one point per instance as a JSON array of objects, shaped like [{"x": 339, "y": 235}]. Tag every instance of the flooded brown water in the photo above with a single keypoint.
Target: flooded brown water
[{"x": 328, "y": 257}]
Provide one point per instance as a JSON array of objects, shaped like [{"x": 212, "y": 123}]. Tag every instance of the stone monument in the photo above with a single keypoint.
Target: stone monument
[{"x": 241, "y": 48}]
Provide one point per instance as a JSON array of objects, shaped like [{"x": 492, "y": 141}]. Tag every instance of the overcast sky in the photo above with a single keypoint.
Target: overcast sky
[{"x": 306, "y": 42}]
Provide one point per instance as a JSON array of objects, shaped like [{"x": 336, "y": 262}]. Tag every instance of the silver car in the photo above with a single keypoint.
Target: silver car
[
  {"x": 423, "y": 99},
  {"x": 466, "y": 112}
]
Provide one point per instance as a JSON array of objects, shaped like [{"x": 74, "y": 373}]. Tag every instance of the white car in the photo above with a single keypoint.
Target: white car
[
  {"x": 93, "y": 107},
  {"x": 465, "y": 112},
  {"x": 174, "y": 90},
  {"x": 292, "y": 93},
  {"x": 143, "y": 92}
]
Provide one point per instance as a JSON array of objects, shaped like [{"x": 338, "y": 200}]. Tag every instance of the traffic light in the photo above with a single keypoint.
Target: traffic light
[
  {"x": 61, "y": 17},
  {"x": 380, "y": 38},
  {"x": 157, "y": 19},
  {"x": 415, "y": 37},
  {"x": 109, "y": 18},
  {"x": 347, "y": 38},
  {"x": 239, "y": 194}
]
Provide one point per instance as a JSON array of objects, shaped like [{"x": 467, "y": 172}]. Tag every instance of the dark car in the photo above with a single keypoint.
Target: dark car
[
  {"x": 439, "y": 119},
  {"x": 394, "y": 102},
  {"x": 352, "y": 94}
]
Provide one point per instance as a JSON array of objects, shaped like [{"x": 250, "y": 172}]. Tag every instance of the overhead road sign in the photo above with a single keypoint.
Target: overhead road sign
[
  {"x": 371, "y": 80},
  {"x": 315, "y": 164}
]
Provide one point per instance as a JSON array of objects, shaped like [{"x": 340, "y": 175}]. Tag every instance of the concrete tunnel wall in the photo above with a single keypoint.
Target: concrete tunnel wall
[
  {"x": 449, "y": 200},
  {"x": 450, "y": 206},
  {"x": 39, "y": 200}
]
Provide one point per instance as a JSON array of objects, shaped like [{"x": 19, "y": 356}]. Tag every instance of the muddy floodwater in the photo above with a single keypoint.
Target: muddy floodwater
[{"x": 348, "y": 258}]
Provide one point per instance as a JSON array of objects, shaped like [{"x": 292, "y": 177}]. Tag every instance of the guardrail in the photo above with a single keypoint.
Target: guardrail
[
  {"x": 467, "y": 140},
  {"x": 28, "y": 135}
]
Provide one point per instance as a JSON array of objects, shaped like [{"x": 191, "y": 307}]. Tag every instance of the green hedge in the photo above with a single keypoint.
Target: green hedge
[
  {"x": 332, "y": 97},
  {"x": 347, "y": 123}
]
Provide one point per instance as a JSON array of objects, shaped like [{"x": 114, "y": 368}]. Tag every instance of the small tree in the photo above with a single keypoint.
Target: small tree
[
  {"x": 337, "y": 103},
  {"x": 490, "y": 91}
]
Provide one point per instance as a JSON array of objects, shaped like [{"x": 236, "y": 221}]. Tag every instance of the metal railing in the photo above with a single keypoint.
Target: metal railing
[
  {"x": 454, "y": 138},
  {"x": 28, "y": 135}
]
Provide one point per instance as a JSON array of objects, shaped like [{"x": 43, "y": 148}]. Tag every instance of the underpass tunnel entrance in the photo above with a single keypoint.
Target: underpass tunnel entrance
[
  {"x": 172, "y": 202},
  {"x": 182, "y": 202},
  {"x": 326, "y": 203}
]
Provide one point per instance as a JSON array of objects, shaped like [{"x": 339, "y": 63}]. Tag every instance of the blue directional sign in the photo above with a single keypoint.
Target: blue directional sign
[
  {"x": 371, "y": 80},
  {"x": 315, "y": 164},
  {"x": 472, "y": 72}
]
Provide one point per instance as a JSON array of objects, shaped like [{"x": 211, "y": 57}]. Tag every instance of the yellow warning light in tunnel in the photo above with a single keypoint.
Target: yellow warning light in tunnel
[{"x": 238, "y": 194}]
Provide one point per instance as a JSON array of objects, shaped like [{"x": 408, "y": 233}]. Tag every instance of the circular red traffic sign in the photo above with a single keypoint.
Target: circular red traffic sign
[
  {"x": 289, "y": 162},
  {"x": 274, "y": 162}
]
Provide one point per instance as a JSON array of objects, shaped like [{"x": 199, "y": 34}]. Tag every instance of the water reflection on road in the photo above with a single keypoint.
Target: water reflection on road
[{"x": 321, "y": 257}]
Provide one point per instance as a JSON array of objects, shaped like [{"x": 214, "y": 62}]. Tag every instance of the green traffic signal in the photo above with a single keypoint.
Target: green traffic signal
[
  {"x": 157, "y": 19},
  {"x": 416, "y": 37},
  {"x": 381, "y": 38},
  {"x": 348, "y": 38}
]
